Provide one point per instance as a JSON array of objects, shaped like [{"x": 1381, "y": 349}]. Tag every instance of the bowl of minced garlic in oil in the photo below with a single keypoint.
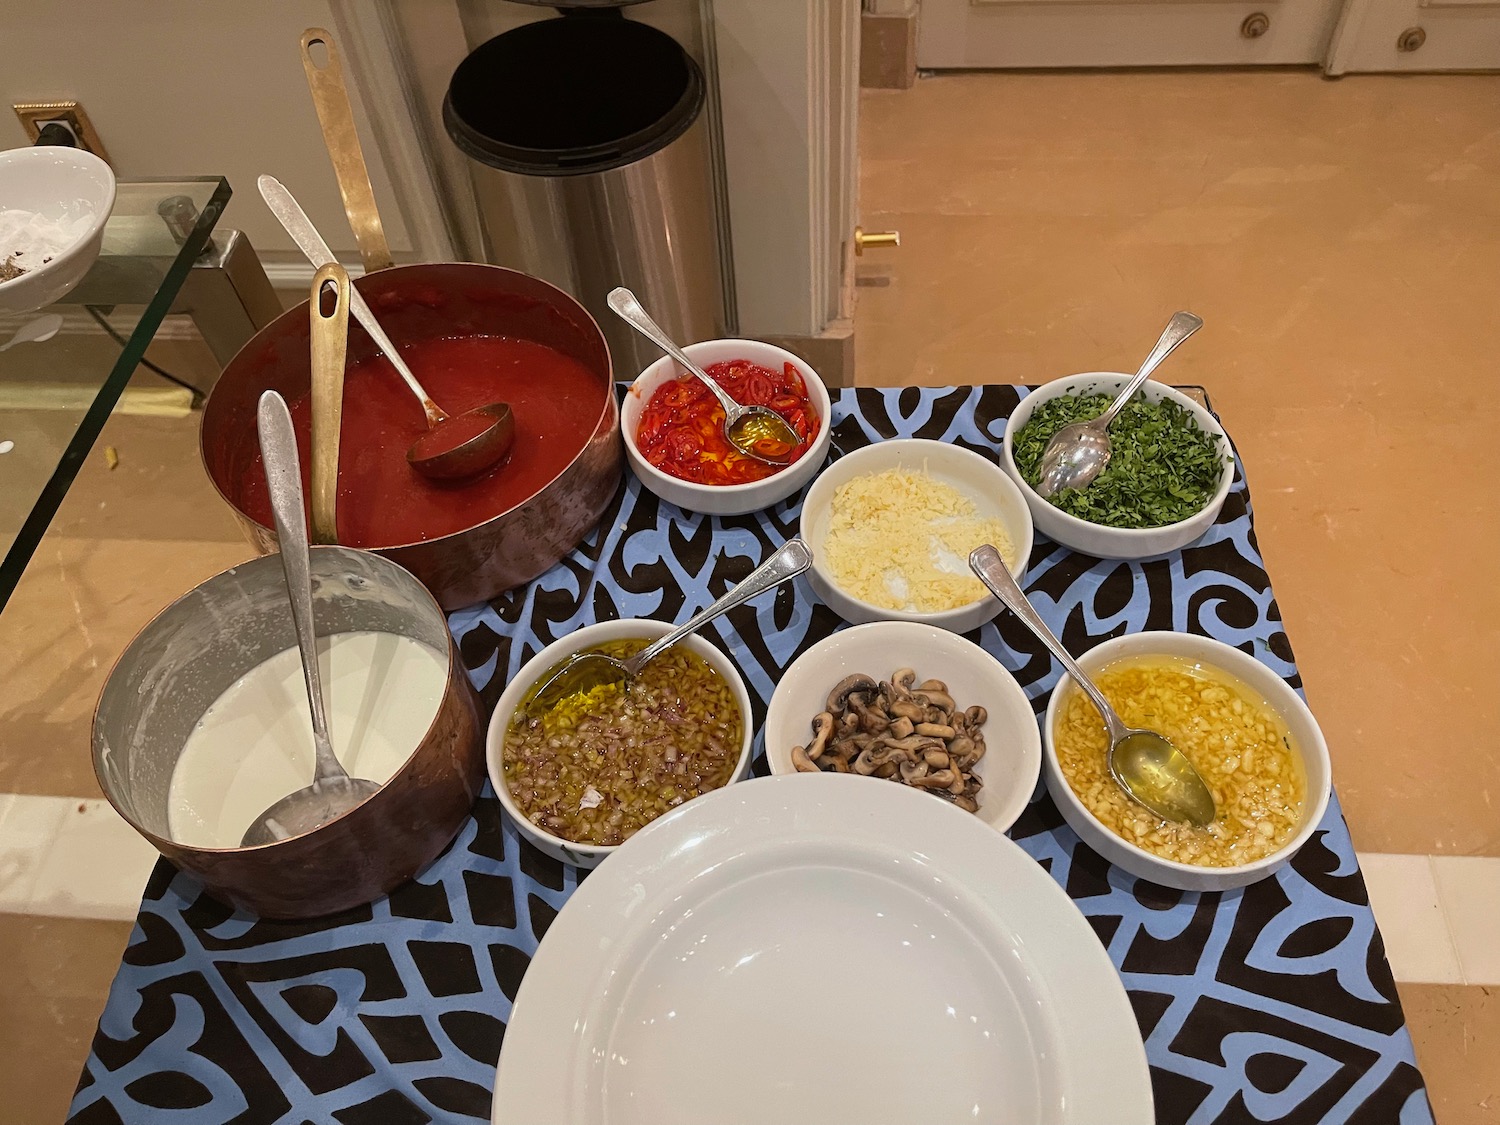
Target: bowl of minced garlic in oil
[{"x": 1253, "y": 740}]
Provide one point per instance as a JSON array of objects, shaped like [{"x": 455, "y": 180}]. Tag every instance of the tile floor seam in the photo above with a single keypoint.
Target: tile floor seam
[{"x": 1463, "y": 972}]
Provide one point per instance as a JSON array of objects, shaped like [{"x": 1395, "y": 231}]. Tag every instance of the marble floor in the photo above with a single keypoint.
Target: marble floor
[{"x": 1340, "y": 239}]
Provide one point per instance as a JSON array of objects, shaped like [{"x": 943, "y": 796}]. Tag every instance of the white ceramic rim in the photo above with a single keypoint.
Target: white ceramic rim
[
  {"x": 817, "y": 392},
  {"x": 1226, "y": 658},
  {"x": 1016, "y": 802},
  {"x": 1099, "y": 1062},
  {"x": 1206, "y": 421},
  {"x": 85, "y": 159},
  {"x": 923, "y": 617},
  {"x": 563, "y": 647}
]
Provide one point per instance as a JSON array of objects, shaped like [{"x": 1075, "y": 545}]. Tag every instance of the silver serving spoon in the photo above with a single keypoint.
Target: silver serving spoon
[
  {"x": 36, "y": 331},
  {"x": 586, "y": 670},
  {"x": 1143, "y": 763},
  {"x": 756, "y": 431},
  {"x": 332, "y": 792},
  {"x": 454, "y": 447},
  {"x": 1078, "y": 452}
]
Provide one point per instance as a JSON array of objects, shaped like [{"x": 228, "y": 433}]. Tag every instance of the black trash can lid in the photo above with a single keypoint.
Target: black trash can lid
[{"x": 571, "y": 96}]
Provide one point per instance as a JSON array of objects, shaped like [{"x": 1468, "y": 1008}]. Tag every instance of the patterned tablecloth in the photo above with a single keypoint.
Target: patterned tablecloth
[{"x": 1274, "y": 1003}]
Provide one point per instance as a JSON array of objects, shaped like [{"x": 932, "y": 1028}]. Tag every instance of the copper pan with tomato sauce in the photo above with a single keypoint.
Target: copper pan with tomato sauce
[{"x": 469, "y": 331}]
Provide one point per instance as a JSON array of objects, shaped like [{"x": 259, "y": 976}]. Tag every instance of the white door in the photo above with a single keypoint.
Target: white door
[
  {"x": 1065, "y": 33},
  {"x": 1416, "y": 35}
]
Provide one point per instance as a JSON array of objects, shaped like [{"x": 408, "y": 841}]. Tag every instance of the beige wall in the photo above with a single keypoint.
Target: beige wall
[{"x": 187, "y": 87}]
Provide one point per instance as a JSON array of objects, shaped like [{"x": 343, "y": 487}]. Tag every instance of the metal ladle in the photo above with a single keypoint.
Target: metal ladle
[
  {"x": 36, "y": 331},
  {"x": 1144, "y": 764},
  {"x": 1078, "y": 452},
  {"x": 332, "y": 792},
  {"x": 756, "y": 431},
  {"x": 454, "y": 447},
  {"x": 584, "y": 671}
]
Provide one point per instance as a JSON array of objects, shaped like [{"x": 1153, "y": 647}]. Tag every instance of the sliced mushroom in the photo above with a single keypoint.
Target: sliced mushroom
[
  {"x": 936, "y": 730},
  {"x": 939, "y": 699},
  {"x": 822, "y": 731},
  {"x": 942, "y": 779},
  {"x": 910, "y": 771},
  {"x": 901, "y": 730},
  {"x": 838, "y": 698},
  {"x": 909, "y": 709}
]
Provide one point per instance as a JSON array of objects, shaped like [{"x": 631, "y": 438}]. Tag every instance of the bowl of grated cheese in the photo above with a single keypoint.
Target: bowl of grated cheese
[
  {"x": 891, "y": 527},
  {"x": 54, "y": 203}
]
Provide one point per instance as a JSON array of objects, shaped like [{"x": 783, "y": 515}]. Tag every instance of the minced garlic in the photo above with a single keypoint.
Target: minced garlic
[{"x": 901, "y": 540}]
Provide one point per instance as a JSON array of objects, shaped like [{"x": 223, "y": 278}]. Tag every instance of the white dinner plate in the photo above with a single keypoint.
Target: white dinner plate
[{"x": 795, "y": 949}]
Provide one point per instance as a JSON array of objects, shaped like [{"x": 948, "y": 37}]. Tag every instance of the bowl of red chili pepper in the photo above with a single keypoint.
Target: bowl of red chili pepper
[{"x": 674, "y": 427}]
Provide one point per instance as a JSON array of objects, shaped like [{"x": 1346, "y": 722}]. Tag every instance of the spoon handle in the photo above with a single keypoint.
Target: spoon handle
[
  {"x": 278, "y": 448},
  {"x": 990, "y": 568},
  {"x": 295, "y": 222},
  {"x": 1179, "y": 328},
  {"x": 788, "y": 562},
  {"x": 624, "y": 302}
]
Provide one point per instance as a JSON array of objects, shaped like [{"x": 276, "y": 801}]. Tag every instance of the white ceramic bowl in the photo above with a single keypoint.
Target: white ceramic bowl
[
  {"x": 1095, "y": 539},
  {"x": 726, "y": 499},
  {"x": 1255, "y": 675},
  {"x": 591, "y": 855},
  {"x": 1013, "y": 758},
  {"x": 976, "y": 477},
  {"x": 58, "y": 183}
]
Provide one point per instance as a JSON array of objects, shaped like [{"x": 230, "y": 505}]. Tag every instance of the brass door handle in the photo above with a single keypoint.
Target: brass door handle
[{"x": 863, "y": 238}]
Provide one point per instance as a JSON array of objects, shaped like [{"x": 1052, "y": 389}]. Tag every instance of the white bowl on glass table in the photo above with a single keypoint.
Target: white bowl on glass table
[{"x": 54, "y": 202}]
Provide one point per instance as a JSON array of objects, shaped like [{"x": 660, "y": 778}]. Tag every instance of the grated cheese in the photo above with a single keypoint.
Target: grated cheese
[{"x": 901, "y": 540}]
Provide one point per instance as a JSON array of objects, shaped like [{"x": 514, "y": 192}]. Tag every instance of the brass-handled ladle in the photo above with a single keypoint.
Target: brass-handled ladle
[
  {"x": 1143, "y": 763},
  {"x": 756, "y": 431},
  {"x": 455, "y": 446}
]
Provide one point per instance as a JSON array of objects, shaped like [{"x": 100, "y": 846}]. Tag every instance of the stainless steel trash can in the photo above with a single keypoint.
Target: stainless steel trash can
[{"x": 591, "y": 169}]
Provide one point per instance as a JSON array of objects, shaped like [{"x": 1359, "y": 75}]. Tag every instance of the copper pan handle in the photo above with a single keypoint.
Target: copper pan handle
[
  {"x": 329, "y": 336},
  {"x": 331, "y": 99}
]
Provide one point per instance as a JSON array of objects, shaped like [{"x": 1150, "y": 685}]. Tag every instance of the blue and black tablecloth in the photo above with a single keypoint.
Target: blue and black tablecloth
[{"x": 1272, "y": 1003}]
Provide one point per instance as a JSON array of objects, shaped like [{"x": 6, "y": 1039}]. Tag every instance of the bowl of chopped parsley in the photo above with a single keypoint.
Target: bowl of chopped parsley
[{"x": 1164, "y": 485}]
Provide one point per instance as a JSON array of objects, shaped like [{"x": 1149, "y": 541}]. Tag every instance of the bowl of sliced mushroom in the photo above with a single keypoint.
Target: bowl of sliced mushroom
[{"x": 909, "y": 704}]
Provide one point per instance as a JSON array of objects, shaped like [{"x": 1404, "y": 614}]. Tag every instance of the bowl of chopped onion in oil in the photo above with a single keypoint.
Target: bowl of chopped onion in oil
[
  {"x": 583, "y": 776},
  {"x": 891, "y": 526}
]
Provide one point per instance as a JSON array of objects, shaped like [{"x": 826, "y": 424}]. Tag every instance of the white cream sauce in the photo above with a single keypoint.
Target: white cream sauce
[{"x": 254, "y": 744}]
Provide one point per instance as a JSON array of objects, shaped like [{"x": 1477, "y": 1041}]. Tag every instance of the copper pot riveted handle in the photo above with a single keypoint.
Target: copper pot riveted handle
[
  {"x": 329, "y": 337},
  {"x": 336, "y": 116}
]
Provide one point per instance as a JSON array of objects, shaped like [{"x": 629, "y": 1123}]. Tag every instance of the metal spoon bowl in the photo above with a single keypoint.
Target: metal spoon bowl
[
  {"x": 332, "y": 792},
  {"x": 1144, "y": 764},
  {"x": 1079, "y": 452},
  {"x": 756, "y": 431},
  {"x": 585, "y": 671},
  {"x": 455, "y": 446}
]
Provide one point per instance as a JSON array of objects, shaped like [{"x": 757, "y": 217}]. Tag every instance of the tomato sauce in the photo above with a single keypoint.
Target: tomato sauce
[
  {"x": 681, "y": 429},
  {"x": 382, "y": 500}
]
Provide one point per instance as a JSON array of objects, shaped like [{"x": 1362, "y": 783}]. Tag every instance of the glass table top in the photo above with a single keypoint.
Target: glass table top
[{"x": 55, "y": 395}]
